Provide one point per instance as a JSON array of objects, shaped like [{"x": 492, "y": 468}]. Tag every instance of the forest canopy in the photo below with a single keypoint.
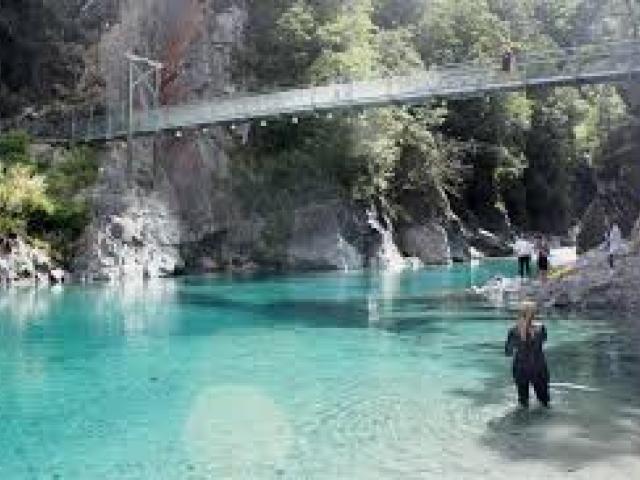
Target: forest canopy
[{"x": 529, "y": 157}]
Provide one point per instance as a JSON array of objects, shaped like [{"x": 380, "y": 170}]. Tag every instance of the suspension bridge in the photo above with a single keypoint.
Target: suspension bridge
[{"x": 585, "y": 64}]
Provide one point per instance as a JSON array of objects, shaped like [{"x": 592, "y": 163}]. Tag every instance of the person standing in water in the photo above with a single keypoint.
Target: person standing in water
[{"x": 524, "y": 343}]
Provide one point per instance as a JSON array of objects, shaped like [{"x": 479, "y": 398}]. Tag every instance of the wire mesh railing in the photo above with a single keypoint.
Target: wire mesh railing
[{"x": 592, "y": 63}]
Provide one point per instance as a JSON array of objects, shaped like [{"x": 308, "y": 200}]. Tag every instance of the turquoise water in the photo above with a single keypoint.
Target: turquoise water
[{"x": 319, "y": 376}]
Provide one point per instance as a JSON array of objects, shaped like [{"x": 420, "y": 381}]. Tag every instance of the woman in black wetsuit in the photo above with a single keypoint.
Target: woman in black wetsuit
[{"x": 524, "y": 342}]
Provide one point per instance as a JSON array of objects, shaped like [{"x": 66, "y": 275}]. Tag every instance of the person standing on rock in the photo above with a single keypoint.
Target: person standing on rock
[
  {"x": 543, "y": 258},
  {"x": 524, "y": 252},
  {"x": 524, "y": 342},
  {"x": 614, "y": 243},
  {"x": 508, "y": 58}
]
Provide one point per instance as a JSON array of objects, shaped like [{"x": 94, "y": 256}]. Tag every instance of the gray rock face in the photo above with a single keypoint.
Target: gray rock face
[
  {"x": 58, "y": 276},
  {"x": 318, "y": 239},
  {"x": 176, "y": 203},
  {"x": 597, "y": 287},
  {"x": 23, "y": 264},
  {"x": 180, "y": 207},
  {"x": 135, "y": 232},
  {"x": 618, "y": 198},
  {"x": 140, "y": 241},
  {"x": 428, "y": 242},
  {"x": 489, "y": 244},
  {"x": 458, "y": 245}
]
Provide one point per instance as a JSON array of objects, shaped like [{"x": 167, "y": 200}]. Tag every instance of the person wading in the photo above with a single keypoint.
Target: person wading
[{"x": 524, "y": 343}]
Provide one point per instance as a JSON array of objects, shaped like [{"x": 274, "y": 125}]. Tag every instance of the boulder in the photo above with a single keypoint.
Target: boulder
[
  {"x": 162, "y": 264},
  {"x": 428, "y": 242},
  {"x": 490, "y": 245},
  {"x": 125, "y": 229},
  {"x": 458, "y": 245},
  {"x": 41, "y": 261},
  {"x": 317, "y": 239},
  {"x": 590, "y": 285},
  {"x": 58, "y": 276},
  {"x": 134, "y": 235},
  {"x": 41, "y": 279},
  {"x": 22, "y": 264},
  {"x": 592, "y": 228},
  {"x": 5, "y": 270}
]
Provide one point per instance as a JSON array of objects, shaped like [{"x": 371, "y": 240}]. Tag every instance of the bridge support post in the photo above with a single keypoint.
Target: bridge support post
[
  {"x": 156, "y": 136},
  {"x": 144, "y": 74},
  {"x": 73, "y": 126},
  {"x": 129, "y": 171}
]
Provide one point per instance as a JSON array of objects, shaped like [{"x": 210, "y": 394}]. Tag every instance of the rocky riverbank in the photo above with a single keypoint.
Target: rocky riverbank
[
  {"x": 591, "y": 284},
  {"x": 22, "y": 264},
  {"x": 382, "y": 188}
]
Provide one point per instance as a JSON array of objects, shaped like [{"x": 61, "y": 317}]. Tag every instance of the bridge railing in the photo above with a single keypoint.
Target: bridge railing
[{"x": 575, "y": 64}]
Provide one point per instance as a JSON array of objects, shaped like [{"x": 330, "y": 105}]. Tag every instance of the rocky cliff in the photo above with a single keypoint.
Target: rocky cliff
[{"x": 185, "y": 206}]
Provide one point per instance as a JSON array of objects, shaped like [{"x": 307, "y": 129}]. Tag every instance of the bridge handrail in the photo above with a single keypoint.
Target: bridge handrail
[{"x": 464, "y": 76}]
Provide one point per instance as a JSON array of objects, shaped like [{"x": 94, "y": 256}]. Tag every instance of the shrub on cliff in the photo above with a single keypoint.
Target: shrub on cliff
[
  {"x": 14, "y": 148},
  {"x": 22, "y": 195},
  {"x": 43, "y": 201}
]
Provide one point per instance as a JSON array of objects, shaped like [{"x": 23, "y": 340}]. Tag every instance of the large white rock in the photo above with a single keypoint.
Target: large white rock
[
  {"x": 134, "y": 235},
  {"x": 124, "y": 229},
  {"x": 58, "y": 276}
]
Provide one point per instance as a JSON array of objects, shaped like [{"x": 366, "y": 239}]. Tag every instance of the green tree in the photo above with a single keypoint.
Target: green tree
[
  {"x": 22, "y": 195},
  {"x": 460, "y": 31},
  {"x": 547, "y": 179}
]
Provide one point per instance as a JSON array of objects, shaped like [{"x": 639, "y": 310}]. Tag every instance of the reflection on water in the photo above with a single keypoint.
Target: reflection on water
[
  {"x": 129, "y": 310},
  {"x": 357, "y": 375},
  {"x": 137, "y": 307},
  {"x": 380, "y": 298},
  {"x": 19, "y": 307}
]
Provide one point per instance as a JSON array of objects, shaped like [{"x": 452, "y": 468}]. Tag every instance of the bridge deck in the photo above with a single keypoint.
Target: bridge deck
[{"x": 600, "y": 63}]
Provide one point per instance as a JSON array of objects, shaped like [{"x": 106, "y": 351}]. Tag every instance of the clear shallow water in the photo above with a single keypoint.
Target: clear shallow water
[{"x": 324, "y": 376}]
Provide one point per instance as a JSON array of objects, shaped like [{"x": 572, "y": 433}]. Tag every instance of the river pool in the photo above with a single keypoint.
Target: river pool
[{"x": 316, "y": 376}]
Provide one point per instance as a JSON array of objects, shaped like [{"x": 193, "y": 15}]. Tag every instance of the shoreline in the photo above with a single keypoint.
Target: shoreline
[{"x": 587, "y": 285}]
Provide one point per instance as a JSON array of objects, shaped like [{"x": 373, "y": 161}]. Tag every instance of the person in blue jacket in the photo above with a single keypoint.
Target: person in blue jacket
[{"x": 524, "y": 342}]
